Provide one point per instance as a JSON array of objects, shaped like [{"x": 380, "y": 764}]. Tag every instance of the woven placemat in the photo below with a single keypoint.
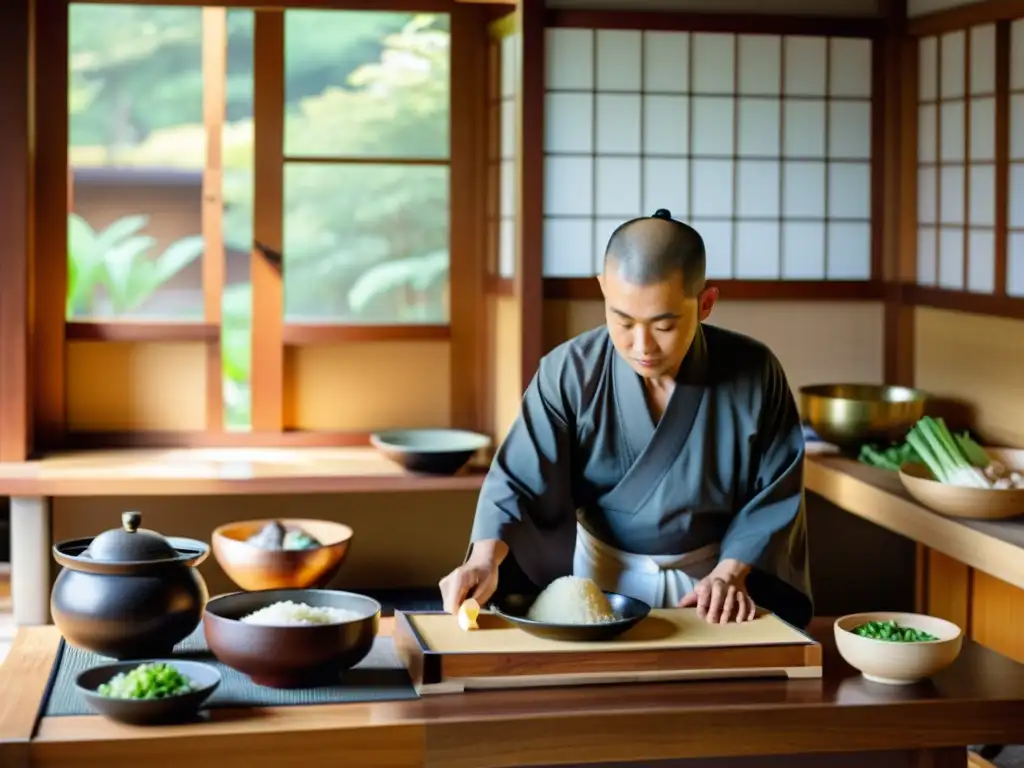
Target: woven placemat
[{"x": 379, "y": 677}]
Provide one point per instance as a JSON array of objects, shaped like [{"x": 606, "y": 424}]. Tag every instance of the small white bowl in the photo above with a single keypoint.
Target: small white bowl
[{"x": 896, "y": 663}]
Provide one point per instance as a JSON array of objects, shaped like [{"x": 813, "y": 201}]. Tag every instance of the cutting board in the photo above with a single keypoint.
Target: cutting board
[{"x": 670, "y": 644}]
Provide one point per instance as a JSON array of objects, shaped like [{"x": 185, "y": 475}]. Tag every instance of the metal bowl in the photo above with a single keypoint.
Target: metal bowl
[
  {"x": 628, "y": 613},
  {"x": 850, "y": 414}
]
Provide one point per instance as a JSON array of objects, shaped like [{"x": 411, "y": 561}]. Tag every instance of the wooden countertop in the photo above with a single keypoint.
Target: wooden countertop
[
  {"x": 876, "y": 495},
  {"x": 980, "y": 699},
  {"x": 221, "y": 471},
  {"x": 995, "y": 547}
]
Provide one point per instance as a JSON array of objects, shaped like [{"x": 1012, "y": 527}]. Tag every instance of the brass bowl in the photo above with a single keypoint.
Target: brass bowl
[
  {"x": 253, "y": 568},
  {"x": 850, "y": 414}
]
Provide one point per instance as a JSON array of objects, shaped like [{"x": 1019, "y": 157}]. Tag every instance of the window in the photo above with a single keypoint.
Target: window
[{"x": 164, "y": 216}]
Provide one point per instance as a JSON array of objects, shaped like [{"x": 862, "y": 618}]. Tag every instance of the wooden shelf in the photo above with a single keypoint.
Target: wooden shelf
[
  {"x": 221, "y": 471},
  {"x": 994, "y": 547}
]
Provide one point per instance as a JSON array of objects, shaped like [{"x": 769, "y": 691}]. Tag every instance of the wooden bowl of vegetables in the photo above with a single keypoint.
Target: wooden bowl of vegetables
[
  {"x": 286, "y": 553},
  {"x": 897, "y": 648},
  {"x": 957, "y": 477}
]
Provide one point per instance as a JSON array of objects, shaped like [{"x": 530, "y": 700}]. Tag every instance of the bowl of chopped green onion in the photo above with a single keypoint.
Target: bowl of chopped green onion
[
  {"x": 150, "y": 692},
  {"x": 956, "y": 476},
  {"x": 897, "y": 648}
]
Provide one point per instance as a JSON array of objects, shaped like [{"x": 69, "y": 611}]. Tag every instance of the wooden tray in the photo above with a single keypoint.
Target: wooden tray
[{"x": 670, "y": 644}]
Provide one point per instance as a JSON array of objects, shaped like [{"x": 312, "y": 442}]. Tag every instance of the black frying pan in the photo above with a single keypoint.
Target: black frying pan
[{"x": 628, "y": 613}]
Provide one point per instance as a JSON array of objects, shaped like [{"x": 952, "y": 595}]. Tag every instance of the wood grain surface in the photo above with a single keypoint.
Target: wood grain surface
[
  {"x": 668, "y": 645},
  {"x": 978, "y": 700}
]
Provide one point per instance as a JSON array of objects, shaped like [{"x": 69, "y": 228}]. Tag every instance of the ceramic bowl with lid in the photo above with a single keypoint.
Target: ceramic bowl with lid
[{"x": 128, "y": 593}]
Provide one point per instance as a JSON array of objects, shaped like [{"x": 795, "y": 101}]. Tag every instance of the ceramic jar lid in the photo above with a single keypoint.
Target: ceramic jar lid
[{"x": 130, "y": 543}]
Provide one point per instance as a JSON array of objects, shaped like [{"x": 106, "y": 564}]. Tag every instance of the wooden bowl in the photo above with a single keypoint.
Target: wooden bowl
[
  {"x": 430, "y": 451},
  {"x": 290, "y": 656},
  {"x": 894, "y": 663},
  {"x": 848, "y": 415},
  {"x": 253, "y": 568},
  {"x": 976, "y": 503},
  {"x": 149, "y": 711}
]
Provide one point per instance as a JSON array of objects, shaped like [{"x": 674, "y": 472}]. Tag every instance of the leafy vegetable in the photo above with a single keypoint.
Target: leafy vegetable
[
  {"x": 891, "y": 458},
  {"x": 892, "y": 632},
  {"x": 147, "y": 681},
  {"x": 952, "y": 459}
]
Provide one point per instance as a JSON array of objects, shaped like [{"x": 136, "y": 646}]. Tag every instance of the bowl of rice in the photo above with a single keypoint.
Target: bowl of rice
[
  {"x": 291, "y": 638},
  {"x": 573, "y": 608}
]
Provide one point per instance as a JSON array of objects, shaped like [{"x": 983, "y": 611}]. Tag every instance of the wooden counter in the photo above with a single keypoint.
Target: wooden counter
[
  {"x": 970, "y": 572},
  {"x": 960, "y": 553},
  {"x": 877, "y": 495},
  {"x": 978, "y": 700},
  {"x": 183, "y": 472},
  {"x": 220, "y": 471}
]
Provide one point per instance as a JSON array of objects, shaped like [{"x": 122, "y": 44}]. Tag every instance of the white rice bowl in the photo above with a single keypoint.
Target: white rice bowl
[
  {"x": 289, "y": 614},
  {"x": 571, "y": 600}
]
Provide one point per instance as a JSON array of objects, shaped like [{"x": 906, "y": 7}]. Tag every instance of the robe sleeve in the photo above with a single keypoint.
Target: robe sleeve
[
  {"x": 769, "y": 530},
  {"x": 526, "y": 499}
]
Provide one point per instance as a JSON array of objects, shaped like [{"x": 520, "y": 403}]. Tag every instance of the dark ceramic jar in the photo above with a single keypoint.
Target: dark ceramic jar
[{"x": 128, "y": 593}]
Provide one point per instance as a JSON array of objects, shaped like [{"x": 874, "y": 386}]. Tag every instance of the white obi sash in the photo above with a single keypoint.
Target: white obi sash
[{"x": 661, "y": 581}]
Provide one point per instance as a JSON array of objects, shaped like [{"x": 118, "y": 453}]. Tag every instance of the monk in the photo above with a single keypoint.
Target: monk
[{"x": 658, "y": 455}]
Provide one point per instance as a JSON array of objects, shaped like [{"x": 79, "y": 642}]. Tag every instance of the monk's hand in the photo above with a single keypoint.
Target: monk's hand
[
  {"x": 476, "y": 578},
  {"x": 722, "y": 596}
]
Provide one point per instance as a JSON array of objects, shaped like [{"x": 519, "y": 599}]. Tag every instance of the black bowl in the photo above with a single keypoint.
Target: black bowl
[
  {"x": 290, "y": 656},
  {"x": 628, "y": 613},
  {"x": 173, "y": 709},
  {"x": 429, "y": 451}
]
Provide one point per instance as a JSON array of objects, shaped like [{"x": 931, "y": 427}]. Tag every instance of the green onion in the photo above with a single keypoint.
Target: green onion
[{"x": 944, "y": 455}]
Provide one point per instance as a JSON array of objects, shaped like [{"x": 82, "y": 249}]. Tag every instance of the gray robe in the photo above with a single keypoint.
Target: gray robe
[{"x": 723, "y": 465}]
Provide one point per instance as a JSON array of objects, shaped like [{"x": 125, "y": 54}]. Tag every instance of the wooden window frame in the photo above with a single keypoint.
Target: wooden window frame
[
  {"x": 962, "y": 19},
  {"x": 48, "y": 253}
]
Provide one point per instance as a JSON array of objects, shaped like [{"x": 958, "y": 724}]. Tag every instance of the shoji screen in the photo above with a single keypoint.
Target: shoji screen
[
  {"x": 1015, "y": 219},
  {"x": 761, "y": 142},
  {"x": 956, "y": 243},
  {"x": 502, "y": 141}
]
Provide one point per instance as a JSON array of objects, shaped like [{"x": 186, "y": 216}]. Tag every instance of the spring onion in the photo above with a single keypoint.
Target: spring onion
[
  {"x": 891, "y": 458},
  {"x": 944, "y": 455},
  {"x": 147, "y": 681}
]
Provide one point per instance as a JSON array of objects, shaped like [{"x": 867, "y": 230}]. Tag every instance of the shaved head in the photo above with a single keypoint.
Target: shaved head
[{"x": 657, "y": 248}]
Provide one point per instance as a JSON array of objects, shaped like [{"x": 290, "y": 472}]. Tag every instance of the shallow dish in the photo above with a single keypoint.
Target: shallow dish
[
  {"x": 431, "y": 451},
  {"x": 149, "y": 711},
  {"x": 290, "y": 656},
  {"x": 956, "y": 501},
  {"x": 897, "y": 663},
  {"x": 628, "y": 612},
  {"x": 253, "y": 568}
]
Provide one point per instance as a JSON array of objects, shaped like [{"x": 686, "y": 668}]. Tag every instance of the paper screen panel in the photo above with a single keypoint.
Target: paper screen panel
[
  {"x": 1015, "y": 212},
  {"x": 746, "y": 137},
  {"x": 956, "y": 191},
  {"x": 507, "y": 252},
  {"x": 928, "y": 154}
]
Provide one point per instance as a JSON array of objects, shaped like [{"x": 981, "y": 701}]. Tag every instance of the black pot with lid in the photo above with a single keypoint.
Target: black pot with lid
[{"x": 128, "y": 592}]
